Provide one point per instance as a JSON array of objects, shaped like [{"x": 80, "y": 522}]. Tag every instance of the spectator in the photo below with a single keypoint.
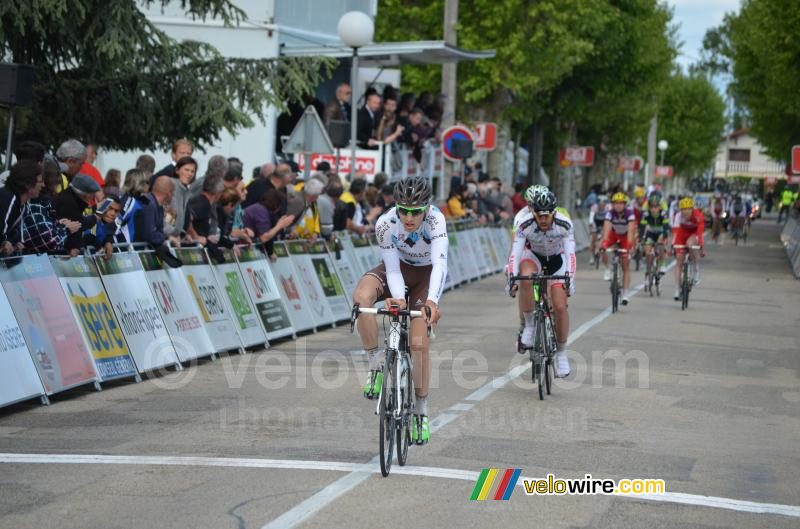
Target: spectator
[
  {"x": 518, "y": 200},
  {"x": 71, "y": 204},
  {"x": 180, "y": 149},
  {"x": 198, "y": 222},
  {"x": 146, "y": 163},
  {"x": 72, "y": 154},
  {"x": 323, "y": 167},
  {"x": 413, "y": 131},
  {"x": 388, "y": 127},
  {"x": 387, "y": 197},
  {"x": 333, "y": 194},
  {"x": 302, "y": 204},
  {"x": 325, "y": 205},
  {"x": 455, "y": 204},
  {"x": 356, "y": 209},
  {"x": 216, "y": 169},
  {"x": 175, "y": 211},
  {"x": 368, "y": 121},
  {"x": 88, "y": 167},
  {"x": 107, "y": 233},
  {"x": 137, "y": 184},
  {"x": 226, "y": 206},
  {"x": 338, "y": 108},
  {"x": 259, "y": 217},
  {"x": 112, "y": 182},
  {"x": 26, "y": 150},
  {"x": 41, "y": 231},
  {"x": 407, "y": 103},
  {"x": 278, "y": 179},
  {"x": 149, "y": 219},
  {"x": 23, "y": 184}
]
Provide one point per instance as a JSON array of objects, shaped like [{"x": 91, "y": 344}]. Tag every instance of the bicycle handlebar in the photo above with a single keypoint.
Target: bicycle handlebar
[
  {"x": 691, "y": 247},
  {"x": 391, "y": 311},
  {"x": 538, "y": 277},
  {"x": 620, "y": 250}
]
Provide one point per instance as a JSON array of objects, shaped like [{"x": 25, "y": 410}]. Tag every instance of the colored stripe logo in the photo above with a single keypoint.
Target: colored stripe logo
[{"x": 496, "y": 484}]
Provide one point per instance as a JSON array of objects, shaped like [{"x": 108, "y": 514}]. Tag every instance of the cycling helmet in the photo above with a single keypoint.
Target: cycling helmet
[
  {"x": 413, "y": 191},
  {"x": 687, "y": 202},
  {"x": 602, "y": 199},
  {"x": 639, "y": 193},
  {"x": 545, "y": 201},
  {"x": 655, "y": 198},
  {"x": 533, "y": 191},
  {"x": 619, "y": 196}
]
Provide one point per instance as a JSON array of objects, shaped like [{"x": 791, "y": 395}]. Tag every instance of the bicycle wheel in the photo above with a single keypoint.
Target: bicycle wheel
[
  {"x": 615, "y": 289},
  {"x": 638, "y": 257},
  {"x": 404, "y": 424},
  {"x": 386, "y": 415},
  {"x": 550, "y": 350},
  {"x": 685, "y": 287},
  {"x": 540, "y": 368},
  {"x": 597, "y": 260}
]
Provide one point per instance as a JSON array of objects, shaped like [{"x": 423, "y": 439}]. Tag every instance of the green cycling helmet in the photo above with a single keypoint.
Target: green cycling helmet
[{"x": 534, "y": 191}]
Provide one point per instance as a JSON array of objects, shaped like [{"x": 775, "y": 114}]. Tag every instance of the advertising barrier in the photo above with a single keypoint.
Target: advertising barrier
[
  {"x": 264, "y": 294},
  {"x": 294, "y": 298},
  {"x": 95, "y": 317},
  {"x": 243, "y": 312},
  {"x": 329, "y": 280},
  {"x": 45, "y": 318},
  {"x": 344, "y": 268},
  {"x": 309, "y": 284},
  {"x": 467, "y": 252},
  {"x": 364, "y": 254},
  {"x": 18, "y": 377},
  {"x": 136, "y": 310},
  {"x": 210, "y": 301},
  {"x": 178, "y": 309}
]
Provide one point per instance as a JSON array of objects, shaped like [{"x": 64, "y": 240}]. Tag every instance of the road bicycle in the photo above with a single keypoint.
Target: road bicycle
[
  {"x": 543, "y": 351},
  {"x": 652, "y": 275},
  {"x": 686, "y": 279},
  {"x": 616, "y": 276},
  {"x": 396, "y": 399}
]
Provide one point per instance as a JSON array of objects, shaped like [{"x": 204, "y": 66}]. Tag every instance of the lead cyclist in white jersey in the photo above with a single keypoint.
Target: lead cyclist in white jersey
[
  {"x": 544, "y": 243},
  {"x": 414, "y": 244}
]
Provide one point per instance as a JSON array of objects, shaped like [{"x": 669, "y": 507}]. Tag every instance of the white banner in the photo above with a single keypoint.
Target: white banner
[
  {"x": 95, "y": 317},
  {"x": 304, "y": 268},
  {"x": 294, "y": 297},
  {"x": 210, "y": 300},
  {"x": 178, "y": 309},
  {"x": 241, "y": 307},
  {"x": 345, "y": 269},
  {"x": 264, "y": 294},
  {"x": 18, "y": 377},
  {"x": 455, "y": 261},
  {"x": 347, "y": 244},
  {"x": 364, "y": 254},
  {"x": 137, "y": 312},
  {"x": 467, "y": 252}
]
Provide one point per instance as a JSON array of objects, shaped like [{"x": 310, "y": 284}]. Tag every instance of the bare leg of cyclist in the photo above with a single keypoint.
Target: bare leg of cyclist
[
  {"x": 626, "y": 279},
  {"x": 525, "y": 296},
  {"x": 421, "y": 373},
  {"x": 691, "y": 241},
  {"x": 592, "y": 246},
  {"x": 679, "y": 257},
  {"x": 367, "y": 292},
  {"x": 558, "y": 300},
  {"x": 648, "y": 252}
]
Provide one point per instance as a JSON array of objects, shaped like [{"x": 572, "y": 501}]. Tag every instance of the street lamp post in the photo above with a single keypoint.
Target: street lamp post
[
  {"x": 356, "y": 30},
  {"x": 663, "y": 146}
]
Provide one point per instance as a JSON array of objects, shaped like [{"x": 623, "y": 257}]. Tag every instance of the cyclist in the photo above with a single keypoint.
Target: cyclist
[
  {"x": 737, "y": 211},
  {"x": 545, "y": 243},
  {"x": 413, "y": 241},
  {"x": 619, "y": 229},
  {"x": 653, "y": 231},
  {"x": 597, "y": 216},
  {"x": 639, "y": 203},
  {"x": 718, "y": 207},
  {"x": 687, "y": 230}
]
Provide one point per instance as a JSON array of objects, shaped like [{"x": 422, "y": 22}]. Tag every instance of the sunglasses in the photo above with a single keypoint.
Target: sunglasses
[
  {"x": 410, "y": 212},
  {"x": 543, "y": 214}
]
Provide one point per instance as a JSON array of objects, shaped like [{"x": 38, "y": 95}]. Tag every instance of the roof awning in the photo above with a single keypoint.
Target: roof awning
[{"x": 390, "y": 54}]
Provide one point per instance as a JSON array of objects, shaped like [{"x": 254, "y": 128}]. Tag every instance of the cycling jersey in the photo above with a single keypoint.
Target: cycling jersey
[
  {"x": 426, "y": 246},
  {"x": 553, "y": 250},
  {"x": 718, "y": 205},
  {"x": 737, "y": 208},
  {"x": 597, "y": 216},
  {"x": 685, "y": 227},
  {"x": 654, "y": 226},
  {"x": 619, "y": 221}
]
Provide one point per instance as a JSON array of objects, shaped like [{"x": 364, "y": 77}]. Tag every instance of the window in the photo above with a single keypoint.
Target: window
[{"x": 739, "y": 155}]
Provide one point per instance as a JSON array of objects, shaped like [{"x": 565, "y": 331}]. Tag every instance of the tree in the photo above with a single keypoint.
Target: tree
[
  {"x": 691, "y": 119},
  {"x": 104, "y": 72}
]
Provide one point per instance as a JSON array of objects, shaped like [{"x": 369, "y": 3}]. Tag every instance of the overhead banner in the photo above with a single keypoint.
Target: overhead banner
[
  {"x": 301, "y": 262},
  {"x": 210, "y": 301},
  {"x": 95, "y": 317},
  {"x": 243, "y": 312},
  {"x": 300, "y": 309},
  {"x": 137, "y": 312},
  {"x": 363, "y": 252},
  {"x": 263, "y": 292},
  {"x": 18, "y": 377},
  {"x": 178, "y": 309},
  {"x": 45, "y": 318},
  {"x": 344, "y": 269}
]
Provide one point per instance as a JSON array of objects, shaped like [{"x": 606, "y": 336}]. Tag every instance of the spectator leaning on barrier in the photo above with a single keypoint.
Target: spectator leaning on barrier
[
  {"x": 454, "y": 203},
  {"x": 26, "y": 150},
  {"x": 175, "y": 211},
  {"x": 137, "y": 184},
  {"x": 200, "y": 210},
  {"x": 107, "y": 233},
  {"x": 72, "y": 204},
  {"x": 259, "y": 185},
  {"x": 23, "y": 184},
  {"x": 302, "y": 204},
  {"x": 278, "y": 179},
  {"x": 42, "y": 231},
  {"x": 180, "y": 149},
  {"x": 149, "y": 219},
  {"x": 72, "y": 154},
  {"x": 216, "y": 169},
  {"x": 259, "y": 218}
]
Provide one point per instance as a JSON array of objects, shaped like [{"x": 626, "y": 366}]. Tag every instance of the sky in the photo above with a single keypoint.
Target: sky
[{"x": 695, "y": 18}]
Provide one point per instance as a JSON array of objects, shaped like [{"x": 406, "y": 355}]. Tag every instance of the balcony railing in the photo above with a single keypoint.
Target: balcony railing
[{"x": 752, "y": 170}]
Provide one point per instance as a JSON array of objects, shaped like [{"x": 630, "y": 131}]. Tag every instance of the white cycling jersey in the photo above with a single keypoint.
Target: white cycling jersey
[
  {"x": 558, "y": 240},
  {"x": 428, "y": 245}
]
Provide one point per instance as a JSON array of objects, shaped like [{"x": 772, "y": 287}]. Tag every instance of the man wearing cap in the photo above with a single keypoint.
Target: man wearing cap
[{"x": 71, "y": 204}]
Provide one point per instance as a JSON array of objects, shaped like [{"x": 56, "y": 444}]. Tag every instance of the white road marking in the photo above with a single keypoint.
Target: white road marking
[{"x": 357, "y": 473}]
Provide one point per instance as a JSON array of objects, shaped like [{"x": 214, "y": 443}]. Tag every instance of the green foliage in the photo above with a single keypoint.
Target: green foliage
[
  {"x": 691, "y": 120},
  {"x": 106, "y": 73}
]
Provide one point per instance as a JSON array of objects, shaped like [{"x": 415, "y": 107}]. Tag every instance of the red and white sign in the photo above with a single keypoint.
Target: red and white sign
[
  {"x": 485, "y": 136},
  {"x": 664, "y": 171},
  {"x": 582, "y": 156},
  {"x": 630, "y": 163},
  {"x": 796, "y": 159},
  {"x": 459, "y": 132},
  {"x": 367, "y": 162}
]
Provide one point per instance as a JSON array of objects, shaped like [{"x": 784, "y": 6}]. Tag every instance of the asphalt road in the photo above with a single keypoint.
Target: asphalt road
[{"x": 706, "y": 400}]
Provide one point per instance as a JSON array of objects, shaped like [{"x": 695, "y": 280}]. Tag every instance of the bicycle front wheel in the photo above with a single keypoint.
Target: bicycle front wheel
[{"x": 386, "y": 415}]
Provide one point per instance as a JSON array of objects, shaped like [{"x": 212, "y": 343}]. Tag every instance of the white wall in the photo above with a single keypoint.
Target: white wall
[{"x": 760, "y": 164}]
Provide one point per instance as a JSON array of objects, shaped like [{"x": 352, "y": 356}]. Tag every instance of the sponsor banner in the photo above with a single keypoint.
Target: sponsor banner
[
  {"x": 294, "y": 297},
  {"x": 95, "y": 317},
  {"x": 486, "y": 250},
  {"x": 178, "y": 310},
  {"x": 243, "y": 312},
  {"x": 347, "y": 245},
  {"x": 376, "y": 250},
  {"x": 264, "y": 294},
  {"x": 45, "y": 318},
  {"x": 455, "y": 261},
  {"x": 329, "y": 280},
  {"x": 318, "y": 302},
  {"x": 18, "y": 377},
  {"x": 209, "y": 299},
  {"x": 364, "y": 254},
  {"x": 136, "y": 311},
  {"x": 344, "y": 269},
  {"x": 467, "y": 252}
]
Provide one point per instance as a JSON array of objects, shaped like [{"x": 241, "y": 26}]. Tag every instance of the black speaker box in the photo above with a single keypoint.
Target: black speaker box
[
  {"x": 339, "y": 132},
  {"x": 16, "y": 84},
  {"x": 461, "y": 148}
]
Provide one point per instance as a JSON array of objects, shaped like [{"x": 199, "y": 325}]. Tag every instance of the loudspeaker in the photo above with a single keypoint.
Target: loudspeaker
[
  {"x": 339, "y": 132},
  {"x": 16, "y": 84},
  {"x": 461, "y": 148}
]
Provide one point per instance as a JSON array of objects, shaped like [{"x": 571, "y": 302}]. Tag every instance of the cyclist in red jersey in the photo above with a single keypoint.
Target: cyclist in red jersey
[
  {"x": 688, "y": 231},
  {"x": 718, "y": 207}
]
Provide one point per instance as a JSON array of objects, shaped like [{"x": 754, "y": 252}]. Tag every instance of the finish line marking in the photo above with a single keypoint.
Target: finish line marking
[{"x": 357, "y": 470}]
